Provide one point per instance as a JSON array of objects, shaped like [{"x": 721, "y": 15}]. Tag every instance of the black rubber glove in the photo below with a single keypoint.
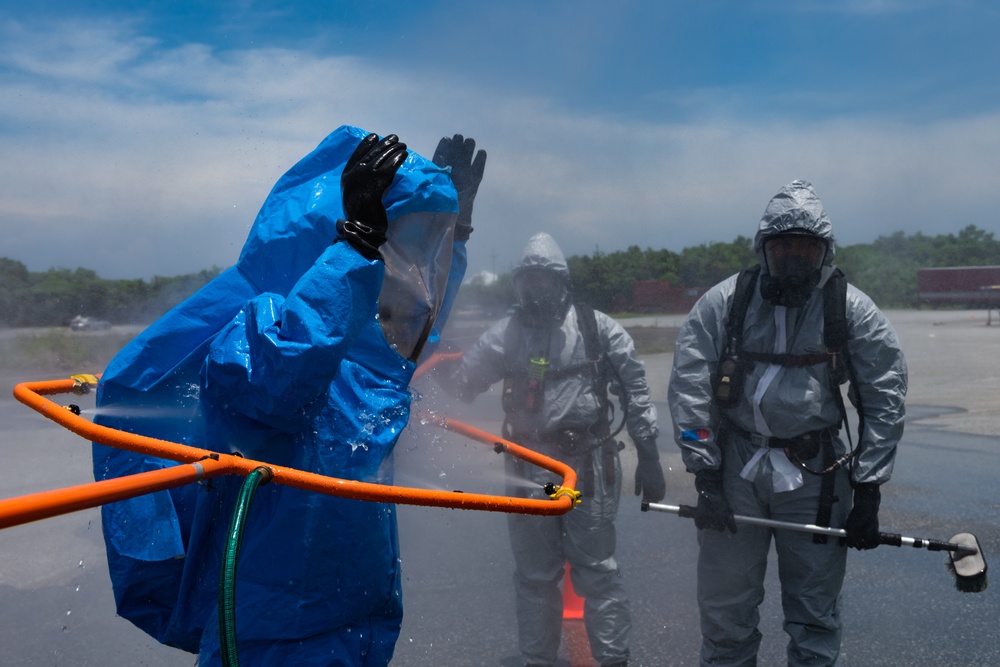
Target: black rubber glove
[
  {"x": 466, "y": 174},
  {"x": 862, "y": 522},
  {"x": 713, "y": 508},
  {"x": 367, "y": 175},
  {"x": 649, "y": 480}
]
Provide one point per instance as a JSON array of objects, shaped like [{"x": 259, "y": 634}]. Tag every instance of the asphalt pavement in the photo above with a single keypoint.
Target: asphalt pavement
[{"x": 901, "y": 606}]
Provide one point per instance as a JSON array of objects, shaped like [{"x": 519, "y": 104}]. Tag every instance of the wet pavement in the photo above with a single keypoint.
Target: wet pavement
[{"x": 900, "y": 605}]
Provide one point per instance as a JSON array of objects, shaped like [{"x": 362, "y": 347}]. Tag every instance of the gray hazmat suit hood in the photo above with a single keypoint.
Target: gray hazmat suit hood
[
  {"x": 542, "y": 253},
  {"x": 795, "y": 210}
]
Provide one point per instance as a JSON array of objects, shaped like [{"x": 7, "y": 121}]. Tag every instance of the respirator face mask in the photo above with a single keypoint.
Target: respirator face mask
[
  {"x": 793, "y": 264},
  {"x": 542, "y": 297}
]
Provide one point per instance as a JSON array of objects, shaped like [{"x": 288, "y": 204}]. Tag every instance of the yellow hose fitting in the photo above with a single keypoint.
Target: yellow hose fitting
[
  {"x": 83, "y": 383},
  {"x": 573, "y": 494}
]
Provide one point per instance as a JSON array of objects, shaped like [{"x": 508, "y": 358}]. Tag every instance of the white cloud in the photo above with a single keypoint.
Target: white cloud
[{"x": 134, "y": 159}]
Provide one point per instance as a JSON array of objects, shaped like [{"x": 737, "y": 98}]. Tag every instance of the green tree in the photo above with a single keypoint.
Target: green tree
[
  {"x": 14, "y": 284},
  {"x": 705, "y": 265}
]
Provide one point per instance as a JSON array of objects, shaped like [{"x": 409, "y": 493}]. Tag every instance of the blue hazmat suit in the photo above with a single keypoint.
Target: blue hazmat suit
[
  {"x": 284, "y": 358},
  {"x": 784, "y": 402}
]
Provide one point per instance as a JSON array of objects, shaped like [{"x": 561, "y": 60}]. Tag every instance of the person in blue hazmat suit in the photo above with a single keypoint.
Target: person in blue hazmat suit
[
  {"x": 300, "y": 355},
  {"x": 765, "y": 450},
  {"x": 555, "y": 401}
]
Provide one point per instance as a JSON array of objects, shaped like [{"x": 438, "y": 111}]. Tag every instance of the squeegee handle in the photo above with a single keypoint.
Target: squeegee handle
[
  {"x": 689, "y": 512},
  {"x": 891, "y": 539}
]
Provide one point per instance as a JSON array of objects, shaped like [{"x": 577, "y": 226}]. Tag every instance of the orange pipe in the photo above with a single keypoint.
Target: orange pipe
[
  {"x": 434, "y": 360},
  {"x": 32, "y": 394},
  {"x": 529, "y": 455},
  {"x": 47, "y": 504}
]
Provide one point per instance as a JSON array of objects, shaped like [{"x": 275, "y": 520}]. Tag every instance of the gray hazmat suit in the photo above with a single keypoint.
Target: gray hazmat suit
[
  {"x": 781, "y": 402},
  {"x": 567, "y": 426}
]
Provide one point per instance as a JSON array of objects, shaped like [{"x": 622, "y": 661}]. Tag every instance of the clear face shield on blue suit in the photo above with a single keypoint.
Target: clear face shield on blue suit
[{"x": 417, "y": 255}]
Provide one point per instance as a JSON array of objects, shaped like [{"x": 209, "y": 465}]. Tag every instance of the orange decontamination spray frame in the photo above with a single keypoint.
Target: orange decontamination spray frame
[{"x": 200, "y": 464}]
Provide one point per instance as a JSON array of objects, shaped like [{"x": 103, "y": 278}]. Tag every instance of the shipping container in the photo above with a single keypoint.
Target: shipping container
[{"x": 967, "y": 286}]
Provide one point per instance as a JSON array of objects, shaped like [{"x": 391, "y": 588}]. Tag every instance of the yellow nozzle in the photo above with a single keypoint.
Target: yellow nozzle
[
  {"x": 83, "y": 383},
  {"x": 555, "y": 492}
]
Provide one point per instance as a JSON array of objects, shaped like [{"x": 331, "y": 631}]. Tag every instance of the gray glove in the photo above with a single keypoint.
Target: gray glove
[
  {"x": 466, "y": 174},
  {"x": 713, "y": 509},
  {"x": 649, "y": 480},
  {"x": 862, "y": 522},
  {"x": 367, "y": 175}
]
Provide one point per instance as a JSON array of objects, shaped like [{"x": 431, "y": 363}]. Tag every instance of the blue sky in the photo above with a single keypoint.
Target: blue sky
[{"x": 140, "y": 138}]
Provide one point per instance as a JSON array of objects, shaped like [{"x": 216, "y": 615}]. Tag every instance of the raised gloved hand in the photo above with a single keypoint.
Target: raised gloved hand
[
  {"x": 367, "y": 175},
  {"x": 862, "y": 522},
  {"x": 713, "y": 509},
  {"x": 649, "y": 480},
  {"x": 466, "y": 174}
]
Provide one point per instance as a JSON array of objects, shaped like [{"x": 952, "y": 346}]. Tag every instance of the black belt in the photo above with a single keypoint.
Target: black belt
[{"x": 804, "y": 446}]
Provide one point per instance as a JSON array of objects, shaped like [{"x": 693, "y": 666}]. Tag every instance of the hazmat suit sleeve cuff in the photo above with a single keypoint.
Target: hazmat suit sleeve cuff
[
  {"x": 361, "y": 237},
  {"x": 647, "y": 450}
]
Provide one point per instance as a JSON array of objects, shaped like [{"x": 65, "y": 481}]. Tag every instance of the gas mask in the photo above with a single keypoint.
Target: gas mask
[
  {"x": 542, "y": 297},
  {"x": 793, "y": 268},
  {"x": 417, "y": 255}
]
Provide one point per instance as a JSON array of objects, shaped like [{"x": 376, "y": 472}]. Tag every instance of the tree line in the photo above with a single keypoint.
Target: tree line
[
  {"x": 54, "y": 297},
  {"x": 885, "y": 269}
]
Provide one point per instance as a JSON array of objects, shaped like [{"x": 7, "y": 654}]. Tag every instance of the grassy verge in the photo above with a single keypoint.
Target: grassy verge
[{"x": 59, "y": 349}]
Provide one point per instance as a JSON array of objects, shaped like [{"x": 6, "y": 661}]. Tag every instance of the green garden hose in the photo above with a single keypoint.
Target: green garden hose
[{"x": 227, "y": 577}]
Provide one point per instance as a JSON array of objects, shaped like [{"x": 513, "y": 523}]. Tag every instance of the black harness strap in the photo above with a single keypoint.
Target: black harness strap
[
  {"x": 597, "y": 361},
  {"x": 727, "y": 381},
  {"x": 599, "y": 364},
  {"x": 745, "y": 284},
  {"x": 835, "y": 337},
  {"x": 827, "y": 495}
]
